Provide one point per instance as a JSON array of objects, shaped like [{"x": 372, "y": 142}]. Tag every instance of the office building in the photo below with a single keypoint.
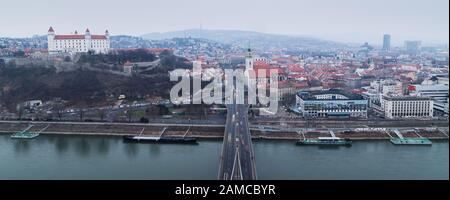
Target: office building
[
  {"x": 331, "y": 103},
  {"x": 396, "y": 107},
  {"x": 412, "y": 47},
  {"x": 387, "y": 42},
  {"x": 437, "y": 92}
]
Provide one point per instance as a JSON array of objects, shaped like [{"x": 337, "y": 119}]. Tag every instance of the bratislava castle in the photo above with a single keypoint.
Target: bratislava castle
[{"x": 77, "y": 43}]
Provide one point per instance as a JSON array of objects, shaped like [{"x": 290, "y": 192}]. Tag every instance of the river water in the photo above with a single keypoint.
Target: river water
[{"x": 100, "y": 157}]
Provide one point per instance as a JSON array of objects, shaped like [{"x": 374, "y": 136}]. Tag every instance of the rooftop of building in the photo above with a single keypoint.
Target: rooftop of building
[
  {"x": 310, "y": 95},
  {"x": 79, "y": 37},
  {"x": 76, "y": 36},
  {"x": 406, "y": 98},
  {"x": 429, "y": 87}
]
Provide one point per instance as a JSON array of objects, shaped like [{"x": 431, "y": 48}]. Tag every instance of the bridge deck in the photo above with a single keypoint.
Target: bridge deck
[{"x": 237, "y": 160}]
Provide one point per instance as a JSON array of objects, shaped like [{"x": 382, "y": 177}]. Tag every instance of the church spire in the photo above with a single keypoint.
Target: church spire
[
  {"x": 249, "y": 50},
  {"x": 249, "y": 58}
]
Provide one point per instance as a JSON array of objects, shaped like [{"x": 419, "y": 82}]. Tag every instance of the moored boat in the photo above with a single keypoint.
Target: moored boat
[
  {"x": 411, "y": 141},
  {"x": 152, "y": 139},
  {"x": 24, "y": 135},
  {"x": 333, "y": 141}
]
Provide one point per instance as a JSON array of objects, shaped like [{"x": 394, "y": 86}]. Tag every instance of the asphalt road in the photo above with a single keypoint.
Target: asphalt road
[{"x": 237, "y": 157}]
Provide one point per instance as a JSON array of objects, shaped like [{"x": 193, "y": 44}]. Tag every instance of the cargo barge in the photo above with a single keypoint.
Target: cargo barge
[
  {"x": 331, "y": 141},
  {"x": 167, "y": 140}
]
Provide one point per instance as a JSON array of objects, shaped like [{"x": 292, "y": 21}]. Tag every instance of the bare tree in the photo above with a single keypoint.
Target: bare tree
[
  {"x": 101, "y": 114},
  {"x": 40, "y": 115},
  {"x": 130, "y": 114},
  {"x": 58, "y": 109},
  {"x": 81, "y": 112},
  {"x": 20, "y": 111}
]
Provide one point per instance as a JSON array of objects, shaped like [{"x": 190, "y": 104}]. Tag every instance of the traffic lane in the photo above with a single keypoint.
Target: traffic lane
[
  {"x": 230, "y": 144},
  {"x": 244, "y": 150},
  {"x": 227, "y": 145},
  {"x": 250, "y": 154}
]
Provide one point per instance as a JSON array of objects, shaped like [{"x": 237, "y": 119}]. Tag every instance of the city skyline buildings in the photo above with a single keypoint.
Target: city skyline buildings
[
  {"x": 412, "y": 46},
  {"x": 347, "y": 21},
  {"x": 386, "y": 42}
]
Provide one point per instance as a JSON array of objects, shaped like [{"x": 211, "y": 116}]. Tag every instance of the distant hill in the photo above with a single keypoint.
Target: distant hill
[
  {"x": 21, "y": 43},
  {"x": 182, "y": 46},
  {"x": 125, "y": 41},
  {"x": 222, "y": 39},
  {"x": 243, "y": 38}
]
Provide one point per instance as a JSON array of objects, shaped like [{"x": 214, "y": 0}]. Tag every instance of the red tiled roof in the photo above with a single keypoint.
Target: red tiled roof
[
  {"x": 301, "y": 84},
  {"x": 69, "y": 37},
  {"x": 260, "y": 65},
  {"x": 267, "y": 72},
  {"x": 98, "y": 37},
  {"x": 267, "y": 85},
  {"x": 79, "y": 37},
  {"x": 295, "y": 68},
  {"x": 298, "y": 76}
]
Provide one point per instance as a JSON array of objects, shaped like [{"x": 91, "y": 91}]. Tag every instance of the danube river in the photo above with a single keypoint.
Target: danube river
[{"x": 95, "y": 157}]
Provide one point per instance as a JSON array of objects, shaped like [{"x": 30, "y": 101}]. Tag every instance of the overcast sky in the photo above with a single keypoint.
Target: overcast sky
[{"x": 339, "y": 20}]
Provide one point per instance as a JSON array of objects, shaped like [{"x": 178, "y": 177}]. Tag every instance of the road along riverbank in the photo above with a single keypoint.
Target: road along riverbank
[{"x": 209, "y": 131}]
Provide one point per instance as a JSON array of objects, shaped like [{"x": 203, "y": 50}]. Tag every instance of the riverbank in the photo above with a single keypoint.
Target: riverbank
[{"x": 205, "y": 131}]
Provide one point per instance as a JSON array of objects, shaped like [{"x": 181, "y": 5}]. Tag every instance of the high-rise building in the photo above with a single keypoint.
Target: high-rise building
[
  {"x": 386, "y": 42},
  {"x": 412, "y": 47}
]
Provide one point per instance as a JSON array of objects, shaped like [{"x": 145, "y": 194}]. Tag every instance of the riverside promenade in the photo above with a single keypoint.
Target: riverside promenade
[{"x": 215, "y": 131}]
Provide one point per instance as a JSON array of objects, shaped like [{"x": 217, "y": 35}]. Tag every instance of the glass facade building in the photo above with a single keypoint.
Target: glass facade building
[{"x": 331, "y": 104}]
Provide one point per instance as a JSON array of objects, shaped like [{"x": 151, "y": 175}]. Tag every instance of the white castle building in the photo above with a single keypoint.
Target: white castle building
[{"x": 77, "y": 43}]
